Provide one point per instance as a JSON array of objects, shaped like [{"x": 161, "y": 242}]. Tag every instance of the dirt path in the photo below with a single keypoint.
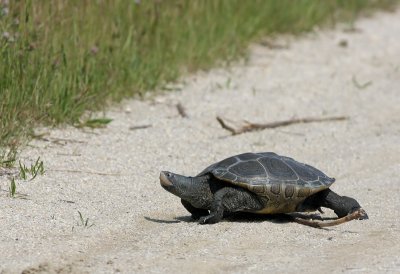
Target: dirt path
[{"x": 111, "y": 175}]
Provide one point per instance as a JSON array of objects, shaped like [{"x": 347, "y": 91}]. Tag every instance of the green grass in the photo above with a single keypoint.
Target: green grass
[
  {"x": 83, "y": 222},
  {"x": 35, "y": 169},
  {"x": 12, "y": 189},
  {"x": 62, "y": 58}
]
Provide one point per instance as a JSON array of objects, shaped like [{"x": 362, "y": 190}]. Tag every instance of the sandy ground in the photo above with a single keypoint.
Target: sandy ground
[{"x": 110, "y": 175}]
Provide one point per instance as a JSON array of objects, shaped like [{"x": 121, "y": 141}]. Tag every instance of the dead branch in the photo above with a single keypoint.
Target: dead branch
[{"x": 248, "y": 127}]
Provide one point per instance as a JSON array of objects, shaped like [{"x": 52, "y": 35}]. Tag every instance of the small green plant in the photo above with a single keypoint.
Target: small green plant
[
  {"x": 37, "y": 168},
  {"x": 22, "y": 171},
  {"x": 12, "y": 188},
  {"x": 83, "y": 222},
  {"x": 12, "y": 191},
  {"x": 34, "y": 170}
]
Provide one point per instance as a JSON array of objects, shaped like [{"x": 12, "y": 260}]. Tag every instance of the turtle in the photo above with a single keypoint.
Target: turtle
[{"x": 262, "y": 183}]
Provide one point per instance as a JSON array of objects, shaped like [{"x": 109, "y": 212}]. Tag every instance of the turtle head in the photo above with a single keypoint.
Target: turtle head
[{"x": 195, "y": 190}]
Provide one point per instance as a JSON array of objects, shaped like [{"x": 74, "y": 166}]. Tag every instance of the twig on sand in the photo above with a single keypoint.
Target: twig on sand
[
  {"x": 67, "y": 201},
  {"x": 84, "y": 171},
  {"x": 58, "y": 141},
  {"x": 248, "y": 127},
  {"x": 355, "y": 215},
  {"x": 181, "y": 110},
  {"x": 139, "y": 127}
]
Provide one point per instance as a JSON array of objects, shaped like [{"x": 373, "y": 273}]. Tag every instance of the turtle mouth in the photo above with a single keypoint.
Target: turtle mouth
[{"x": 164, "y": 181}]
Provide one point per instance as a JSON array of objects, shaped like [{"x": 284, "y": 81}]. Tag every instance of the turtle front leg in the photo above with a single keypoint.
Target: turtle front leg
[
  {"x": 230, "y": 199},
  {"x": 217, "y": 208},
  {"x": 196, "y": 212}
]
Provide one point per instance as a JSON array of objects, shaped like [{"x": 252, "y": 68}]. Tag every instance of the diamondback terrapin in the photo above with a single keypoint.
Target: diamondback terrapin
[{"x": 264, "y": 183}]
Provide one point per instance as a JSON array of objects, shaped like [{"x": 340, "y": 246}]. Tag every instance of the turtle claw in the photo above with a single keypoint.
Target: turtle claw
[
  {"x": 209, "y": 219},
  {"x": 205, "y": 220}
]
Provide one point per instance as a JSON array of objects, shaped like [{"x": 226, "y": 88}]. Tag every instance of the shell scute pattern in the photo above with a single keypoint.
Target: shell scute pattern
[
  {"x": 246, "y": 156},
  {"x": 227, "y": 162},
  {"x": 269, "y": 169},
  {"x": 258, "y": 188},
  {"x": 228, "y": 176},
  {"x": 308, "y": 174},
  {"x": 275, "y": 189},
  {"x": 219, "y": 168},
  {"x": 248, "y": 169},
  {"x": 289, "y": 191},
  {"x": 305, "y": 173},
  {"x": 277, "y": 169}
]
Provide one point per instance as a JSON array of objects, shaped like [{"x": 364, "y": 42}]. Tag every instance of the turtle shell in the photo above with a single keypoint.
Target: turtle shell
[{"x": 282, "y": 182}]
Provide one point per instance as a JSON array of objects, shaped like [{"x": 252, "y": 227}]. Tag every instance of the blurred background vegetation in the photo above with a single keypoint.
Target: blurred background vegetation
[{"x": 62, "y": 58}]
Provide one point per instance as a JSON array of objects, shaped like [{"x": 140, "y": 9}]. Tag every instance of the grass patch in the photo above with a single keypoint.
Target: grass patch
[
  {"x": 36, "y": 168},
  {"x": 62, "y": 58}
]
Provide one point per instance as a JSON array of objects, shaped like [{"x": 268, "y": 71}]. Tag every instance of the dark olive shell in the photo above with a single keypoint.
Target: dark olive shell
[{"x": 269, "y": 174}]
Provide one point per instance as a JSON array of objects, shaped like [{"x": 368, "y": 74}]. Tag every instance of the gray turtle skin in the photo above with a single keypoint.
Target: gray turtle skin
[{"x": 264, "y": 183}]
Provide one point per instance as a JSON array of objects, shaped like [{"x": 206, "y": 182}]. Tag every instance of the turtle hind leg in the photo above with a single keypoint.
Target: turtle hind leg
[
  {"x": 341, "y": 205},
  {"x": 345, "y": 208},
  {"x": 230, "y": 199},
  {"x": 196, "y": 212}
]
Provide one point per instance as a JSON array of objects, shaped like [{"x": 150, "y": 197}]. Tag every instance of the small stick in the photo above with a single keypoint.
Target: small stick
[
  {"x": 55, "y": 140},
  {"x": 355, "y": 215},
  {"x": 139, "y": 127},
  {"x": 181, "y": 110},
  {"x": 67, "y": 201},
  {"x": 248, "y": 127},
  {"x": 84, "y": 171},
  {"x": 67, "y": 154}
]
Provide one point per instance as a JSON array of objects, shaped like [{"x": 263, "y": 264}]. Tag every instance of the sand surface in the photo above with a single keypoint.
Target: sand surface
[{"x": 110, "y": 175}]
